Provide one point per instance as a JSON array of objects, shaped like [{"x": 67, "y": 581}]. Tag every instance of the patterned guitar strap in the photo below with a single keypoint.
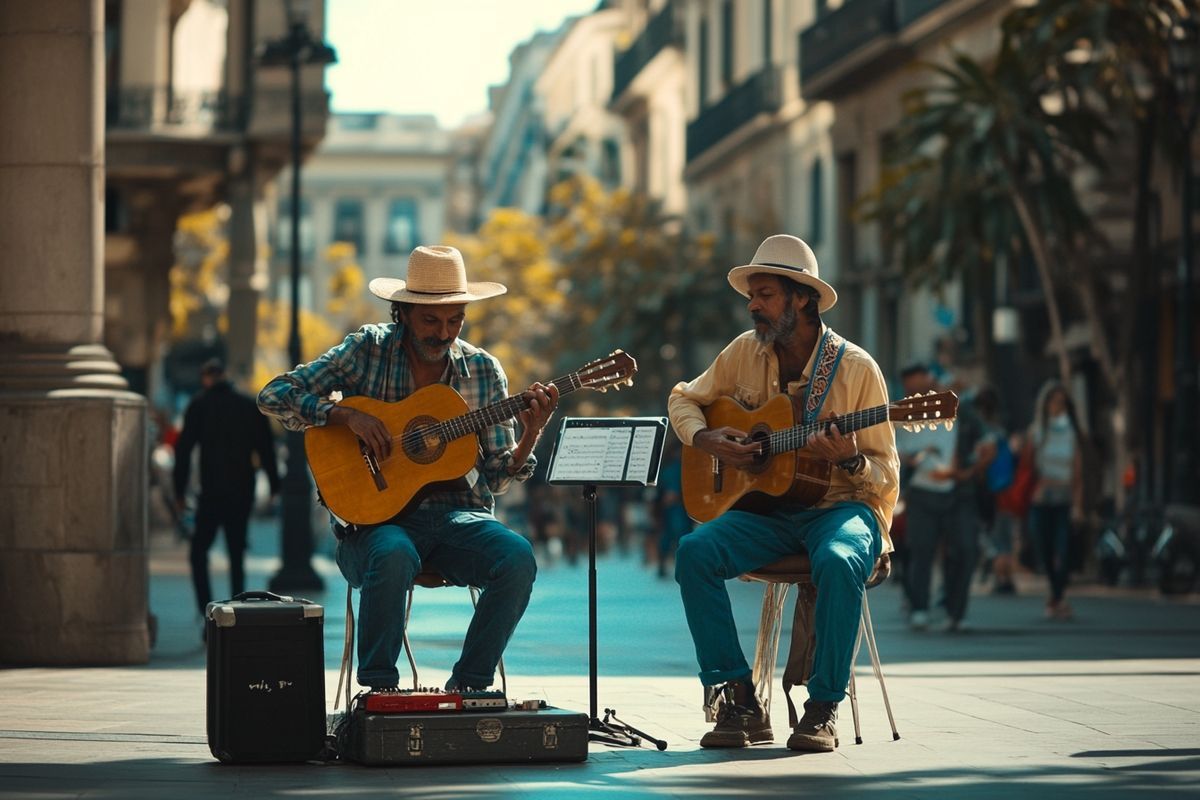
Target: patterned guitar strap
[{"x": 803, "y": 645}]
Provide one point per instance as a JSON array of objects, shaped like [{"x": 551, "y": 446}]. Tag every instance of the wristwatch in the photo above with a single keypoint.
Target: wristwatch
[{"x": 853, "y": 464}]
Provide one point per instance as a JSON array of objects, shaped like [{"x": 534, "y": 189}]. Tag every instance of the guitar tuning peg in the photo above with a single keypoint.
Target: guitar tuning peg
[
  {"x": 908, "y": 427},
  {"x": 930, "y": 393},
  {"x": 949, "y": 424}
]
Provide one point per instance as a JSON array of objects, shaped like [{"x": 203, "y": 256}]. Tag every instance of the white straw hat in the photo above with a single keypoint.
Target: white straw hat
[
  {"x": 787, "y": 256},
  {"x": 436, "y": 276}
]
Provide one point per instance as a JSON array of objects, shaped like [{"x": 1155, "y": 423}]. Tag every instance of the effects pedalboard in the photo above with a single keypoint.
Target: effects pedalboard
[{"x": 422, "y": 700}]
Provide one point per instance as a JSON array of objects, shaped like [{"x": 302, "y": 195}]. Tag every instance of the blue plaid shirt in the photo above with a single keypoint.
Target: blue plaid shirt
[{"x": 372, "y": 362}]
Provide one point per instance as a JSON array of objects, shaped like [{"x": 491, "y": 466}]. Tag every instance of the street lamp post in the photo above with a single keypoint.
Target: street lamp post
[
  {"x": 297, "y": 49},
  {"x": 1185, "y": 72}
]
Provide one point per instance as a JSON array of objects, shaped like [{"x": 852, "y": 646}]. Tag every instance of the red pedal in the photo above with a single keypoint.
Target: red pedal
[{"x": 412, "y": 701}]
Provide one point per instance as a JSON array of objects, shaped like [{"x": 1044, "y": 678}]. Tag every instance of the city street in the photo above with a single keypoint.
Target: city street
[{"x": 1105, "y": 705}]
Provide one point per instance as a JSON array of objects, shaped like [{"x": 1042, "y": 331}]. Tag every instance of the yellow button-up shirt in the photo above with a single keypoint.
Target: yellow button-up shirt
[{"x": 749, "y": 372}]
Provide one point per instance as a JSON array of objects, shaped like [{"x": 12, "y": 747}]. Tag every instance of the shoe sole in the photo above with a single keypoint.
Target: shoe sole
[
  {"x": 810, "y": 744},
  {"x": 709, "y": 740}
]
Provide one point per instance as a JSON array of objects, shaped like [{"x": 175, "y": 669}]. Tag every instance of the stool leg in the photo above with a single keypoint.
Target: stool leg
[
  {"x": 766, "y": 651},
  {"x": 852, "y": 689},
  {"x": 407, "y": 647},
  {"x": 875, "y": 664}
]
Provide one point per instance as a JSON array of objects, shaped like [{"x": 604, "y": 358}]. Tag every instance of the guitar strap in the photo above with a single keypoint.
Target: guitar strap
[{"x": 830, "y": 351}]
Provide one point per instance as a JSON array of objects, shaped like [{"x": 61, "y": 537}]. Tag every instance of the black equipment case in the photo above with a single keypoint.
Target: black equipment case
[
  {"x": 464, "y": 737},
  {"x": 266, "y": 678}
]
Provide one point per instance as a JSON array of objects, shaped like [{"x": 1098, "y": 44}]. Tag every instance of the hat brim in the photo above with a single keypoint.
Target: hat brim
[
  {"x": 396, "y": 291},
  {"x": 739, "y": 279}
]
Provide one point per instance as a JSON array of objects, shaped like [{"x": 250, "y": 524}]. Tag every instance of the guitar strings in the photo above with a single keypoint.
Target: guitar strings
[{"x": 475, "y": 420}]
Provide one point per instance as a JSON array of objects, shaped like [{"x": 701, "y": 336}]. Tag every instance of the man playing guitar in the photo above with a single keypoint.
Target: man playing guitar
[
  {"x": 789, "y": 351},
  {"x": 453, "y": 530}
]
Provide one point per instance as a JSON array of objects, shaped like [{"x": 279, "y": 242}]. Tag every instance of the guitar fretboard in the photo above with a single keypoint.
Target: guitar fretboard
[
  {"x": 797, "y": 436},
  {"x": 475, "y": 421}
]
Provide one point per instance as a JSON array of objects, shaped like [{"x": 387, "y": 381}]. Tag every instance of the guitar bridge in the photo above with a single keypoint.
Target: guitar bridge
[
  {"x": 718, "y": 474},
  {"x": 372, "y": 466}
]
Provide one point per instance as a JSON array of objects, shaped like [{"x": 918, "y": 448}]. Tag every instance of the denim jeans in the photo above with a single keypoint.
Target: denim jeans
[
  {"x": 1050, "y": 530},
  {"x": 843, "y": 543},
  {"x": 468, "y": 548}
]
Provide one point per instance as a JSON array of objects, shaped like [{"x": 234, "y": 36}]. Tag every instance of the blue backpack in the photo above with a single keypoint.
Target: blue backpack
[{"x": 1003, "y": 468}]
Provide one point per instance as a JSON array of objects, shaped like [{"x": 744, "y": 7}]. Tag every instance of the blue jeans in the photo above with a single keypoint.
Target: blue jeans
[
  {"x": 843, "y": 543},
  {"x": 468, "y": 548}
]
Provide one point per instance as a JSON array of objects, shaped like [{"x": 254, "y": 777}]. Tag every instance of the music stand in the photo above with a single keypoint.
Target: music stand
[{"x": 606, "y": 451}]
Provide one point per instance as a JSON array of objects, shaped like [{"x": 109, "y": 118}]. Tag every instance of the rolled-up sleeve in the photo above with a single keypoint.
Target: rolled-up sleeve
[
  {"x": 880, "y": 480},
  {"x": 686, "y": 404},
  {"x": 498, "y": 441},
  {"x": 300, "y": 399}
]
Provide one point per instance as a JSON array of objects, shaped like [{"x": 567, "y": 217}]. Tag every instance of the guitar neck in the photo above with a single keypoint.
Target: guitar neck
[
  {"x": 506, "y": 409},
  {"x": 797, "y": 436}
]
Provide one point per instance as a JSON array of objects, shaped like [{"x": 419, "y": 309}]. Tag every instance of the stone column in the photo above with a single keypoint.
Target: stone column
[
  {"x": 73, "y": 566},
  {"x": 247, "y": 271}
]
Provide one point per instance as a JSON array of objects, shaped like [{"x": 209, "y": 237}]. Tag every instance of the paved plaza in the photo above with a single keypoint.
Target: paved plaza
[{"x": 1107, "y": 705}]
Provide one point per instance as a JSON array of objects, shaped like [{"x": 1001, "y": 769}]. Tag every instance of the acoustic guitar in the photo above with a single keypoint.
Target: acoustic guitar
[
  {"x": 433, "y": 442},
  {"x": 780, "y": 474}
]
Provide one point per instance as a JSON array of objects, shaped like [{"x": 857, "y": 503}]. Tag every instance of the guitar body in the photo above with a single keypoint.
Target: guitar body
[
  {"x": 341, "y": 471},
  {"x": 781, "y": 477}
]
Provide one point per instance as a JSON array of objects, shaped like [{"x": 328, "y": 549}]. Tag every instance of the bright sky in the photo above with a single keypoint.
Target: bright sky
[{"x": 430, "y": 56}]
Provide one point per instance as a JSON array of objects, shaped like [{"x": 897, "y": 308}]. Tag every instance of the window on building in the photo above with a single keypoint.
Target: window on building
[
  {"x": 816, "y": 204},
  {"x": 610, "y": 163},
  {"x": 283, "y": 228},
  {"x": 348, "y": 222},
  {"x": 768, "y": 23},
  {"x": 401, "y": 226},
  {"x": 702, "y": 64},
  {"x": 727, "y": 43}
]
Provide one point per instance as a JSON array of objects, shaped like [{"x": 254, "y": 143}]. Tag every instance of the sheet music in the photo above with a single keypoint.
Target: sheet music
[
  {"x": 592, "y": 454},
  {"x": 641, "y": 455}
]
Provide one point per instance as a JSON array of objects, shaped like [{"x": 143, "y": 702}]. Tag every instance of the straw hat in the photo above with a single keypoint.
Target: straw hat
[
  {"x": 436, "y": 276},
  {"x": 787, "y": 256}
]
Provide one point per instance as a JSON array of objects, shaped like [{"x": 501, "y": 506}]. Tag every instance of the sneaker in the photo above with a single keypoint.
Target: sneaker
[
  {"x": 957, "y": 626},
  {"x": 918, "y": 620},
  {"x": 739, "y": 726},
  {"x": 816, "y": 732}
]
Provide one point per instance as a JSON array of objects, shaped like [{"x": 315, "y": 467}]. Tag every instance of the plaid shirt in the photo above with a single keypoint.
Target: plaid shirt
[{"x": 372, "y": 362}]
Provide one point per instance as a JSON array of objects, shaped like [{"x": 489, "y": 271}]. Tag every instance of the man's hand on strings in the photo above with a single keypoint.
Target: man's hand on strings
[
  {"x": 542, "y": 402},
  {"x": 367, "y": 427},
  {"x": 831, "y": 445},
  {"x": 729, "y": 446}
]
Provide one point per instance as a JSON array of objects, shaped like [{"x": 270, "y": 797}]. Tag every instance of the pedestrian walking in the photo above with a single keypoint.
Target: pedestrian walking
[
  {"x": 1057, "y": 445},
  {"x": 231, "y": 434}
]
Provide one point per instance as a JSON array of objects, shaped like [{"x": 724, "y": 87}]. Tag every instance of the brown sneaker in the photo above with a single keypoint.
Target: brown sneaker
[
  {"x": 816, "y": 732},
  {"x": 739, "y": 726}
]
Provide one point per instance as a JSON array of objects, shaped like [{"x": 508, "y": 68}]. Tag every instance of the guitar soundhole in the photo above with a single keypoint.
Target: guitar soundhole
[
  {"x": 421, "y": 443},
  {"x": 762, "y": 435}
]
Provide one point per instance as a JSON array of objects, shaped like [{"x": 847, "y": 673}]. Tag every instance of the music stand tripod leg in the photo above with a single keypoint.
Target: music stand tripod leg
[{"x": 609, "y": 730}]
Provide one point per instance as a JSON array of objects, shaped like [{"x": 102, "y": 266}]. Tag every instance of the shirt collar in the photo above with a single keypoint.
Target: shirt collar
[{"x": 769, "y": 350}]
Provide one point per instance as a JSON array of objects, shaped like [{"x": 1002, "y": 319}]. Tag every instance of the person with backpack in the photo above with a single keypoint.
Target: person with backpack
[{"x": 999, "y": 523}]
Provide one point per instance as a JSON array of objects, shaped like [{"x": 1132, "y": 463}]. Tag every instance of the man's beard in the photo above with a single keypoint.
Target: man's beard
[
  {"x": 431, "y": 350},
  {"x": 780, "y": 330}
]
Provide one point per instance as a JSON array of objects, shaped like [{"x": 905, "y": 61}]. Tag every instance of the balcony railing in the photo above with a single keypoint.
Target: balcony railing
[
  {"x": 664, "y": 30},
  {"x": 839, "y": 34},
  {"x": 762, "y": 93},
  {"x": 151, "y": 107},
  {"x": 858, "y": 23}
]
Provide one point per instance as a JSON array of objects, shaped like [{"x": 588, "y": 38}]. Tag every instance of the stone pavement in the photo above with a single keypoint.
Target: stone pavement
[{"x": 1104, "y": 706}]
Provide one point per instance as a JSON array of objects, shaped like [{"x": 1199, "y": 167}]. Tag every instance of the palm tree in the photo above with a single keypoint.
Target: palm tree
[{"x": 980, "y": 174}]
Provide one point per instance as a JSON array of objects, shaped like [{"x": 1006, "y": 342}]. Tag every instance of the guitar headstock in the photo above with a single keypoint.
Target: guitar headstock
[
  {"x": 615, "y": 369},
  {"x": 925, "y": 411}
]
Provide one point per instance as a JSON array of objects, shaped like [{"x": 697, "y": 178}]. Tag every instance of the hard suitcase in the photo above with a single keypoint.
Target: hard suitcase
[
  {"x": 464, "y": 737},
  {"x": 266, "y": 678}
]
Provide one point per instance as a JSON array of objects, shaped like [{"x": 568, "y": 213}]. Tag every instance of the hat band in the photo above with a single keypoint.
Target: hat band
[
  {"x": 447, "y": 291},
  {"x": 780, "y": 266}
]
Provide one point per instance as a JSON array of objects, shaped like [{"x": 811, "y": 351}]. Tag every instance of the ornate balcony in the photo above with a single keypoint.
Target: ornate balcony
[
  {"x": 761, "y": 93},
  {"x": 157, "y": 107},
  {"x": 663, "y": 31},
  {"x": 851, "y": 42}
]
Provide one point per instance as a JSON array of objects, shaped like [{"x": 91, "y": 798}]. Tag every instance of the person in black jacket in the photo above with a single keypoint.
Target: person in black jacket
[{"x": 227, "y": 427}]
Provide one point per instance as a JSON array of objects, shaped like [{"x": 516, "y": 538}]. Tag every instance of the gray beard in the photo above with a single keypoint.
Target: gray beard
[
  {"x": 780, "y": 330},
  {"x": 430, "y": 355}
]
